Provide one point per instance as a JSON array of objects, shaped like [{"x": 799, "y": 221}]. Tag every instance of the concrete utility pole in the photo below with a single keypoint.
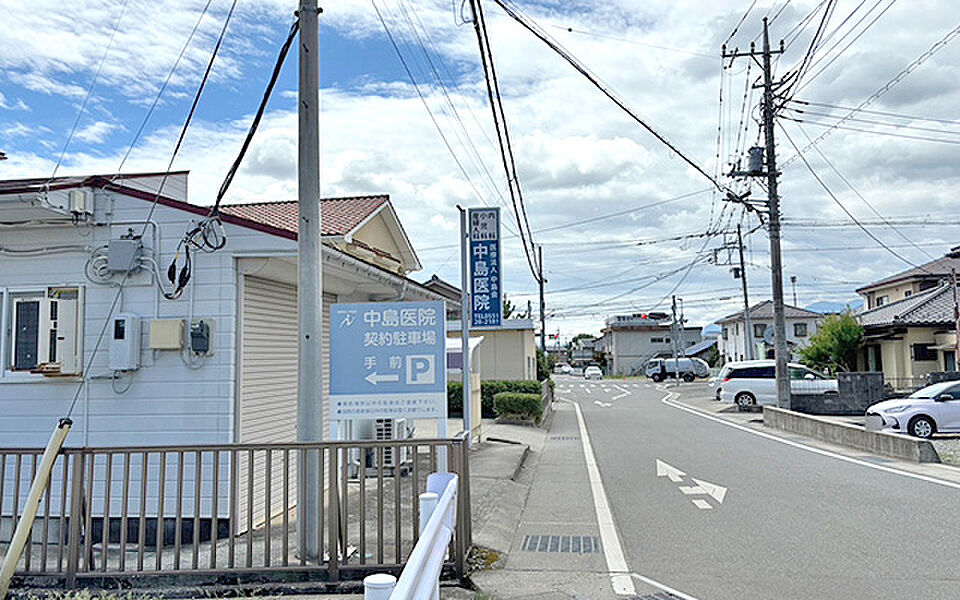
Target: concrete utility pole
[
  {"x": 748, "y": 334},
  {"x": 956, "y": 321},
  {"x": 773, "y": 214},
  {"x": 673, "y": 343},
  {"x": 310, "y": 291},
  {"x": 793, "y": 284},
  {"x": 681, "y": 329},
  {"x": 543, "y": 303}
]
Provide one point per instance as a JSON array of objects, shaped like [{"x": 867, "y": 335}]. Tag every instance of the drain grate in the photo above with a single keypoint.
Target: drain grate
[
  {"x": 657, "y": 596},
  {"x": 564, "y": 438},
  {"x": 571, "y": 544}
]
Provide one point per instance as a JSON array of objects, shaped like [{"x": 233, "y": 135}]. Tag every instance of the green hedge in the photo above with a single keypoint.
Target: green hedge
[
  {"x": 514, "y": 405},
  {"x": 488, "y": 389}
]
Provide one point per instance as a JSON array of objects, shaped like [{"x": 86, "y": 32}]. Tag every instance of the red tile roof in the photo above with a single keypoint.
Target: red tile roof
[{"x": 340, "y": 215}]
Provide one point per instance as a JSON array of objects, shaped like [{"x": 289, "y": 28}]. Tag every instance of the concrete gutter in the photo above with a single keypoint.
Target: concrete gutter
[{"x": 845, "y": 434}]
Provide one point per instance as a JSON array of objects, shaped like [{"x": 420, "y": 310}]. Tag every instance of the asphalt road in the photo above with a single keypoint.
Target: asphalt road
[{"x": 778, "y": 521}]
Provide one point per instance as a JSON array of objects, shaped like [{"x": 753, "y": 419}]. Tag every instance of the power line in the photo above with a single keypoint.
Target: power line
[
  {"x": 540, "y": 34},
  {"x": 163, "y": 87},
  {"x": 86, "y": 97},
  {"x": 823, "y": 185},
  {"x": 630, "y": 41},
  {"x": 815, "y": 113},
  {"x": 834, "y": 126},
  {"x": 862, "y": 198},
  {"x": 937, "y": 46},
  {"x": 740, "y": 22},
  {"x": 503, "y": 137},
  {"x": 877, "y": 112}
]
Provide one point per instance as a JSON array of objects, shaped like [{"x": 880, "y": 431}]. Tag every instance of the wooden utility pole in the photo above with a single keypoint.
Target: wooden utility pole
[{"x": 310, "y": 291}]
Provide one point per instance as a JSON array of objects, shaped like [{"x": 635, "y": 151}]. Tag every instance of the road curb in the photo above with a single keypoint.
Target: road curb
[{"x": 844, "y": 434}]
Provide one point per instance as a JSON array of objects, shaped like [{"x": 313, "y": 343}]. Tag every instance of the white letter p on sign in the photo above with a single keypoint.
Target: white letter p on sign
[{"x": 421, "y": 370}]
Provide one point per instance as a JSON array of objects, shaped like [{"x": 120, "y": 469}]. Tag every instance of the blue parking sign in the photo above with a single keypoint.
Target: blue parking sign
[
  {"x": 387, "y": 360},
  {"x": 486, "y": 281}
]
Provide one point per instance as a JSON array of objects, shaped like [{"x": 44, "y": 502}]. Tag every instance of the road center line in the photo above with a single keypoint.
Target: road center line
[
  {"x": 612, "y": 549},
  {"x": 668, "y": 400}
]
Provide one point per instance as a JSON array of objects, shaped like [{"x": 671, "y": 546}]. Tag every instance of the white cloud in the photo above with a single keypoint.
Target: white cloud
[
  {"x": 96, "y": 132},
  {"x": 578, "y": 156}
]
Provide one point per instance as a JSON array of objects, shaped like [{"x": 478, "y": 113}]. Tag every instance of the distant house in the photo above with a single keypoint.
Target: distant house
[
  {"x": 449, "y": 292},
  {"x": 629, "y": 341},
  {"x": 582, "y": 352},
  {"x": 735, "y": 339},
  {"x": 911, "y": 281},
  {"x": 911, "y": 337},
  {"x": 507, "y": 352}
]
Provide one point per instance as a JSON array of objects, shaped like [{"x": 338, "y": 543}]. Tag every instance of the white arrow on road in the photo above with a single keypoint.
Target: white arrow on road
[
  {"x": 376, "y": 378},
  {"x": 602, "y": 404},
  {"x": 717, "y": 492},
  {"x": 665, "y": 470}
]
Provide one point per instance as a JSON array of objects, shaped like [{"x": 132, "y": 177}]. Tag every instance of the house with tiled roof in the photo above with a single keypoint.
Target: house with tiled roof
[
  {"x": 909, "y": 338},
  {"x": 910, "y": 282},
  {"x": 68, "y": 244},
  {"x": 739, "y": 343}
]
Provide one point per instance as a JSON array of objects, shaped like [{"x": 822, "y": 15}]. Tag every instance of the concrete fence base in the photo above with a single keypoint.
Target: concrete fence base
[{"x": 845, "y": 434}]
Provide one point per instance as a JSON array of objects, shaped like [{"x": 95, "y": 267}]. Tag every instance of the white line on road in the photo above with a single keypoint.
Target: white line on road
[
  {"x": 702, "y": 504},
  {"x": 665, "y": 588},
  {"x": 612, "y": 549},
  {"x": 623, "y": 395},
  {"x": 587, "y": 389},
  {"x": 670, "y": 402}
]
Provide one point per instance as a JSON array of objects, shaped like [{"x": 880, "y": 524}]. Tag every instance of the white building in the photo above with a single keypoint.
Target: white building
[
  {"x": 801, "y": 324},
  {"x": 58, "y": 243},
  {"x": 629, "y": 341}
]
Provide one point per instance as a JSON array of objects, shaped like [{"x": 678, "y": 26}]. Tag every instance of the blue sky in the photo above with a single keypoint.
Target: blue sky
[{"x": 580, "y": 159}]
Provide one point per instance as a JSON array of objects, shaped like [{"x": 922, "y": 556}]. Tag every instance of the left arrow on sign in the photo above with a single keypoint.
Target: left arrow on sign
[{"x": 376, "y": 378}]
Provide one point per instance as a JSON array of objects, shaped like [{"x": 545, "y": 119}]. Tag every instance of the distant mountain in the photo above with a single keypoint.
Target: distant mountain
[
  {"x": 835, "y": 307},
  {"x": 711, "y": 331}
]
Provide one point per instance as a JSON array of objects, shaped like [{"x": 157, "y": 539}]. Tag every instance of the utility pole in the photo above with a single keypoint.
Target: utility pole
[
  {"x": 773, "y": 215},
  {"x": 465, "y": 366},
  {"x": 310, "y": 291},
  {"x": 956, "y": 321},
  {"x": 748, "y": 334},
  {"x": 673, "y": 340},
  {"x": 793, "y": 284},
  {"x": 680, "y": 329},
  {"x": 543, "y": 303}
]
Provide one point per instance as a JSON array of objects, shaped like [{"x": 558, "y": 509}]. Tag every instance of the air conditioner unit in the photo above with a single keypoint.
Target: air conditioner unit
[
  {"x": 388, "y": 430},
  {"x": 45, "y": 336},
  {"x": 381, "y": 430}
]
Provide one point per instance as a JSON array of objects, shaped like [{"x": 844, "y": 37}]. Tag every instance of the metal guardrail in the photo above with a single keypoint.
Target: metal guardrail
[
  {"x": 420, "y": 579},
  {"x": 220, "y": 509}
]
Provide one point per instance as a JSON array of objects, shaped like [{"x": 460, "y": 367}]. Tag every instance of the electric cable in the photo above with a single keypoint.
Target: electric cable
[
  {"x": 86, "y": 97},
  {"x": 830, "y": 193}
]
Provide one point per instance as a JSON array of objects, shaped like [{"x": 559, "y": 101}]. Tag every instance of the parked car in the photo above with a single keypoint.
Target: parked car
[
  {"x": 935, "y": 408},
  {"x": 753, "y": 383},
  {"x": 689, "y": 369},
  {"x": 715, "y": 382},
  {"x": 592, "y": 373}
]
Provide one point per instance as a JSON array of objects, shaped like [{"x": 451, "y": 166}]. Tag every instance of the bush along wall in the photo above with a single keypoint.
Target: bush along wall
[
  {"x": 511, "y": 405},
  {"x": 488, "y": 389}
]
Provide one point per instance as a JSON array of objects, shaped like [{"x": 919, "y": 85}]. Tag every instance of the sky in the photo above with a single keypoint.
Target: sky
[{"x": 624, "y": 222}]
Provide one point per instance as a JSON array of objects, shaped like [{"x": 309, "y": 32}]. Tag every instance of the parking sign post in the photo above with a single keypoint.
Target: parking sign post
[{"x": 388, "y": 361}]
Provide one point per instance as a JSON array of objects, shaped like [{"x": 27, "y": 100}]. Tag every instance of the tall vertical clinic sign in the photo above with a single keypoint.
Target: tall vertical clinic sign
[
  {"x": 486, "y": 281},
  {"x": 388, "y": 360}
]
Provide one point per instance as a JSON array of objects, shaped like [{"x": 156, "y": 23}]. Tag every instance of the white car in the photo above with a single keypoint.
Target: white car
[
  {"x": 592, "y": 373},
  {"x": 715, "y": 382},
  {"x": 935, "y": 408},
  {"x": 753, "y": 383}
]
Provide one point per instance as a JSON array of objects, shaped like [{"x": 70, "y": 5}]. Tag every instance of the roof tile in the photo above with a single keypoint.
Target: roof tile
[{"x": 340, "y": 216}]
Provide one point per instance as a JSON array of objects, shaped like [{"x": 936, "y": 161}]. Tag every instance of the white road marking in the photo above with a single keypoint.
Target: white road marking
[
  {"x": 702, "y": 504},
  {"x": 665, "y": 588},
  {"x": 717, "y": 492},
  {"x": 623, "y": 395},
  {"x": 602, "y": 404},
  {"x": 679, "y": 405},
  {"x": 587, "y": 389},
  {"x": 665, "y": 470},
  {"x": 612, "y": 549}
]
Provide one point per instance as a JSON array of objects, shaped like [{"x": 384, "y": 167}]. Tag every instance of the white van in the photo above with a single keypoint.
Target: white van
[
  {"x": 753, "y": 383},
  {"x": 659, "y": 369}
]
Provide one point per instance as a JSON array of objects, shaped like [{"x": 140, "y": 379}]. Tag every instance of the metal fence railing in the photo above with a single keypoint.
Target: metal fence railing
[{"x": 220, "y": 509}]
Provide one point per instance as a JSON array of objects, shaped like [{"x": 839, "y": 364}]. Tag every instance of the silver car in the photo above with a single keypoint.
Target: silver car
[{"x": 592, "y": 373}]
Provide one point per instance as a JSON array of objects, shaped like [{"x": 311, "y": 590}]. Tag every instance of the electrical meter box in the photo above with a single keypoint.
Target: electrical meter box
[{"x": 125, "y": 342}]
